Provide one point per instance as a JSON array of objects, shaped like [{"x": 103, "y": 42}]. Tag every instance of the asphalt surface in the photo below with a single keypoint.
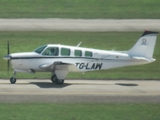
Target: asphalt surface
[
  {"x": 80, "y": 91},
  {"x": 55, "y": 24}
]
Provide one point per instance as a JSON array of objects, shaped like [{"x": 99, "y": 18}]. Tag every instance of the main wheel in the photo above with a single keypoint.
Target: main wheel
[
  {"x": 13, "y": 80},
  {"x": 54, "y": 79},
  {"x": 59, "y": 82}
]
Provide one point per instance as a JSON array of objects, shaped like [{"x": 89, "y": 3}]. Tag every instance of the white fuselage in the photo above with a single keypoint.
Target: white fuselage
[{"x": 100, "y": 60}]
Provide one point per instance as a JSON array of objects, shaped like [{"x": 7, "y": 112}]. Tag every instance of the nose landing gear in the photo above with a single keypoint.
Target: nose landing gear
[{"x": 13, "y": 79}]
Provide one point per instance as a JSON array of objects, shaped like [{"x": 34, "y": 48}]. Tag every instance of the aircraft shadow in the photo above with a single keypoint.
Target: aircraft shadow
[
  {"x": 126, "y": 84},
  {"x": 49, "y": 85}
]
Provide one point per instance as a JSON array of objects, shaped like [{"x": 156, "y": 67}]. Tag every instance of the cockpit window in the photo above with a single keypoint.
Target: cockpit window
[
  {"x": 40, "y": 49},
  {"x": 51, "y": 51}
]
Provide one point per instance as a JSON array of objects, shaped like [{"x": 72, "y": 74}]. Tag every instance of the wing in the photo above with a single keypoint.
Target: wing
[
  {"x": 61, "y": 69},
  {"x": 58, "y": 65}
]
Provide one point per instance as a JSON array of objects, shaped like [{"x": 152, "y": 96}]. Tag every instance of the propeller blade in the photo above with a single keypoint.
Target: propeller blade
[
  {"x": 8, "y": 67},
  {"x": 8, "y": 48},
  {"x": 8, "y": 51}
]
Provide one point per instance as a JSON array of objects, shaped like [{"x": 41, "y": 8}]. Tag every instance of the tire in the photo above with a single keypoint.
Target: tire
[
  {"x": 13, "y": 80},
  {"x": 53, "y": 78},
  {"x": 57, "y": 81}
]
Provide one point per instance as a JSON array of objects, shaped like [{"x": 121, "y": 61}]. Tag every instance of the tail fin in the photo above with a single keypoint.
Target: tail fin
[{"x": 144, "y": 47}]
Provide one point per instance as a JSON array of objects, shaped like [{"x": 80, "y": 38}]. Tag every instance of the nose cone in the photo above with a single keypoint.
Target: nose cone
[{"x": 7, "y": 57}]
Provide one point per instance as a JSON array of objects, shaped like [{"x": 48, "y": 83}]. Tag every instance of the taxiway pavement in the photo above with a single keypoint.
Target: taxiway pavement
[
  {"x": 56, "y": 24},
  {"x": 81, "y": 91}
]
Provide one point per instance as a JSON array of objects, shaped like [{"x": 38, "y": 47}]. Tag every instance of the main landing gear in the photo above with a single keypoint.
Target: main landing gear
[
  {"x": 54, "y": 79},
  {"x": 13, "y": 79}
]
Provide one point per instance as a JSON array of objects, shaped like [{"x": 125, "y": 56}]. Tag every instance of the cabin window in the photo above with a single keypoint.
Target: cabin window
[
  {"x": 65, "y": 52},
  {"x": 51, "y": 51},
  {"x": 88, "y": 54},
  {"x": 78, "y": 53}
]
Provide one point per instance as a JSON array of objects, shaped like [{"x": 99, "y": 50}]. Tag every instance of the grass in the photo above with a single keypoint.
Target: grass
[
  {"x": 28, "y": 41},
  {"x": 130, "y": 9},
  {"x": 50, "y": 111}
]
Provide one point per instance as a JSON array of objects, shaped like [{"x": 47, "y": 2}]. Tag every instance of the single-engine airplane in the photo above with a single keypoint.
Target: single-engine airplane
[{"x": 61, "y": 59}]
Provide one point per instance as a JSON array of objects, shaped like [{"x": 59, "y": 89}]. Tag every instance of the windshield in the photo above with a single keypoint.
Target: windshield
[{"x": 40, "y": 49}]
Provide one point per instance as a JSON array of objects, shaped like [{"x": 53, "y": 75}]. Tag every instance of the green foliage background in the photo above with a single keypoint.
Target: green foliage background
[{"x": 88, "y": 9}]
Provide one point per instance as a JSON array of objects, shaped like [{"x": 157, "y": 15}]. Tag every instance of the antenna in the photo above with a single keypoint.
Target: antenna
[{"x": 79, "y": 44}]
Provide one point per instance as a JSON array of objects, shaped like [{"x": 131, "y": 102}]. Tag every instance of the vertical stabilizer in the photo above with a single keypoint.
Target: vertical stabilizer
[{"x": 144, "y": 47}]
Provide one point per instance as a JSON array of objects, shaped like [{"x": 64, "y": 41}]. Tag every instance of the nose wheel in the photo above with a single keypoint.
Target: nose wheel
[{"x": 13, "y": 79}]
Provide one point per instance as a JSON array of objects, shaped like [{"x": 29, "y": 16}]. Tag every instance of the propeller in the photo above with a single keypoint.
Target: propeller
[{"x": 8, "y": 52}]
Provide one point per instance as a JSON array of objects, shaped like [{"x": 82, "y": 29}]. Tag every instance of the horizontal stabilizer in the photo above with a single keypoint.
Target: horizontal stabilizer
[{"x": 142, "y": 58}]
